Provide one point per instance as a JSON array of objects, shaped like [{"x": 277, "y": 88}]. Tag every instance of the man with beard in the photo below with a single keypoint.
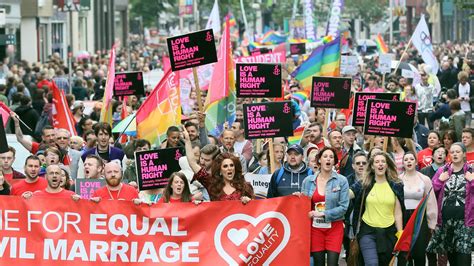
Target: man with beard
[
  {"x": 54, "y": 189},
  {"x": 288, "y": 179},
  {"x": 32, "y": 182},
  {"x": 197, "y": 130},
  {"x": 48, "y": 136},
  {"x": 114, "y": 189},
  {"x": 108, "y": 153},
  {"x": 317, "y": 139},
  {"x": 93, "y": 167}
]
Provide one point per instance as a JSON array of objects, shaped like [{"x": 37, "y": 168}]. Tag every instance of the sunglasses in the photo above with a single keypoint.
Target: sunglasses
[{"x": 361, "y": 163}]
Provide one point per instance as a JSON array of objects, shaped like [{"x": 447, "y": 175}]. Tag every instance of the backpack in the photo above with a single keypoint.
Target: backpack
[{"x": 281, "y": 171}]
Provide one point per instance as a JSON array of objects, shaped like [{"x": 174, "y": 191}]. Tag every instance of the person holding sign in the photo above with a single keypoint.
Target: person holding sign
[
  {"x": 114, "y": 189},
  {"x": 329, "y": 192},
  {"x": 378, "y": 209}
]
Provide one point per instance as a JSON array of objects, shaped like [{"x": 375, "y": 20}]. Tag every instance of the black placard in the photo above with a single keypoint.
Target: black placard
[
  {"x": 297, "y": 48},
  {"x": 329, "y": 92},
  {"x": 155, "y": 167},
  {"x": 268, "y": 120},
  {"x": 360, "y": 101},
  {"x": 192, "y": 49},
  {"x": 258, "y": 80},
  {"x": 129, "y": 83},
  {"x": 389, "y": 118}
]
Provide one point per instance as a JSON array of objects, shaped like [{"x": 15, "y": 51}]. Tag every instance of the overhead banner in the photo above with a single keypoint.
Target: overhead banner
[
  {"x": 129, "y": 83},
  {"x": 156, "y": 166},
  {"x": 273, "y": 57},
  {"x": 268, "y": 120},
  {"x": 309, "y": 25},
  {"x": 329, "y": 92},
  {"x": 389, "y": 118},
  {"x": 47, "y": 231},
  {"x": 258, "y": 80},
  {"x": 335, "y": 18},
  {"x": 360, "y": 103},
  {"x": 192, "y": 49}
]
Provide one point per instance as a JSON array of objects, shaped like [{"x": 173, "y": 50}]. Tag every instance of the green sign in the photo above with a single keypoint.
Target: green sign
[{"x": 7, "y": 39}]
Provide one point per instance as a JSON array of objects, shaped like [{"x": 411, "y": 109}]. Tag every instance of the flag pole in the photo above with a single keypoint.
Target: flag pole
[
  {"x": 401, "y": 56},
  {"x": 198, "y": 89},
  {"x": 21, "y": 121}
]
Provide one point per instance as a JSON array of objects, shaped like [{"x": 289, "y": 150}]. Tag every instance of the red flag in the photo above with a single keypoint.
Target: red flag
[
  {"x": 62, "y": 116},
  {"x": 5, "y": 112}
]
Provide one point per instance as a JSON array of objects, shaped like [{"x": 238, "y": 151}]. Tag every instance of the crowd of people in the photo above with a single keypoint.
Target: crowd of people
[{"x": 361, "y": 187}]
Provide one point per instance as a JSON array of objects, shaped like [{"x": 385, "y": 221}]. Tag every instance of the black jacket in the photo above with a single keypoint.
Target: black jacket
[{"x": 29, "y": 116}]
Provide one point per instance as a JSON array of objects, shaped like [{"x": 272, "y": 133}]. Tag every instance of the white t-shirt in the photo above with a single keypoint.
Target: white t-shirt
[{"x": 239, "y": 146}]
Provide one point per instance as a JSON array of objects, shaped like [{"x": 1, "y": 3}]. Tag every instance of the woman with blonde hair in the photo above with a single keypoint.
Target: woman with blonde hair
[{"x": 378, "y": 209}]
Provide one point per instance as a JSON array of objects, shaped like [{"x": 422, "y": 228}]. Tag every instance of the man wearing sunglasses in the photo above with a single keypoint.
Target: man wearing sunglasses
[
  {"x": 71, "y": 156},
  {"x": 359, "y": 165}
]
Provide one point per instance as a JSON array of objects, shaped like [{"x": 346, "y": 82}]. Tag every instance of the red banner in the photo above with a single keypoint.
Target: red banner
[{"x": 51, "y": 232}]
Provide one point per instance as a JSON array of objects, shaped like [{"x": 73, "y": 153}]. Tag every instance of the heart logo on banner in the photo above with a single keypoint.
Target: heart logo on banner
[{"x": 237, "y": 237}]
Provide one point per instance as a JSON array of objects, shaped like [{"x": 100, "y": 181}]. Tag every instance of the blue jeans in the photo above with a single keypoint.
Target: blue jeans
[{"x": 368, "y": 248}]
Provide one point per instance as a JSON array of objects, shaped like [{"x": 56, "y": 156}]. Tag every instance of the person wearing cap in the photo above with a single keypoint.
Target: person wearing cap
[
  {"x": 453, "y": 185},
  {"x": 349, "y": 148},
  {"x": 289, "y": 178}
]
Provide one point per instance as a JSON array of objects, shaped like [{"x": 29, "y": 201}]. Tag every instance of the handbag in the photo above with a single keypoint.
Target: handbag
[{"x": 354, "y": 249}]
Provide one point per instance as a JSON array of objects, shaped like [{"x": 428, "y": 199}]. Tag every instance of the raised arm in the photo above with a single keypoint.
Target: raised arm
[
  {"x": 189, "y": 152},
  {"x": 19, "y": 135}
]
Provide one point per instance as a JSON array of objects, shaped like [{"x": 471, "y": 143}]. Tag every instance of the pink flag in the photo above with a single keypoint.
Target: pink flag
[{"x": 5, "y": 112}]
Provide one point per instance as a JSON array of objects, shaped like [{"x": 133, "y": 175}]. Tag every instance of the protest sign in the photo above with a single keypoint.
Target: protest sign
[
  {"x": 389, "y": 118},
  {"x": 349, "y": 65},
  {"x": 360, "y": 102},
  {"x": 155, "y": 167},
  {"x": 129, "y": 83},
  {"x": 86, "y": 187},
  {"x": 329, "y": 92},
  {"x": 260, "y": 184},
  {"x": 297, "y": 48},
  {"x": 268, "y": 120},
  {"x": 192, "y": 49},
  {"x": 48, "y": 231},
  {"x": 273, "y": 57},
  {"x": 385, "y": 63},
  {"x": 259, "y": 80}
]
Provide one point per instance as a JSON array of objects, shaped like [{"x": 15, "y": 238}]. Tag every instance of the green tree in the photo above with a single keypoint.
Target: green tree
[
  {"x": 371, "y": 11},
  {"x": 149, "y": 10}
]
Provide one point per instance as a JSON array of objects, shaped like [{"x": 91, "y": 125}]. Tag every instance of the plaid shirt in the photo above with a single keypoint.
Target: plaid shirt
[{"x": 62, "y": 83}]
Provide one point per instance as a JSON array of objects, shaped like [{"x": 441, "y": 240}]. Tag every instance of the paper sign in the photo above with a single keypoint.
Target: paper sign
[
  {"x": 259, "y": 80},
  {"x": 155, "y": 167},
  {"x": 389, "y": 118},
  {"x": 329, "y": 92},
  {"x": 385, "y": 63},
  {"x": 297, "y": 48},
  {"x": 268, "y": 120},
  {"x": 192, "y": 50},
  {"x": 349, "y": 65},
  {"x": 129, "y": 83},
  {"x": 86, "y": 187},
  {"x": 360, "y": 101},
  {"x": 260, "y": 184}
]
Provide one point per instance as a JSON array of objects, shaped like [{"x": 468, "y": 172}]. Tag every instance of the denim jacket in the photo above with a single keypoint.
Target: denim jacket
[{"x": 336, "y": 195}]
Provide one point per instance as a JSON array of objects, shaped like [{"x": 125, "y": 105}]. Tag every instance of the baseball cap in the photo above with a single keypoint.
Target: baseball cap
[
  {"x": 347, "y": 129},
  {"x": 295, "y": 147}
]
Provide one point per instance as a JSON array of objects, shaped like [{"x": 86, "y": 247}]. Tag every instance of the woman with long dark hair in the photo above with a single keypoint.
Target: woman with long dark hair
[
  {"x": 379, "y": 202},
  {"x": 227, "y": 181},
  {"x": 177, "y": 189},
  {"x": 415, "y": 187},
  {"x": 329, "y": 192},
  {"x": 453, "y": 185}
]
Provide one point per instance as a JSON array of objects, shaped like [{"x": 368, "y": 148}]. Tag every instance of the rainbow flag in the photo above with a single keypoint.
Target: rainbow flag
[
  {"x": 221, "y": 93},
  {"x": 232, "y": 21},
  {"x": 412, "y": 228},
  {"x": 161, "y": 109},
  {"x": 381, "y": 46},
  {"x": 273, "y": 37},
  {"x": 106, "y": 112},
  {"x": 323, "y": 61},
  {"x": 300, "y": 96},
  {"x": 297, "y": 136}
]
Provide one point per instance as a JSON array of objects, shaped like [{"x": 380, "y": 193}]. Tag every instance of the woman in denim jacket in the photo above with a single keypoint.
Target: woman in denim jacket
[{"x": 329, "y": 194}]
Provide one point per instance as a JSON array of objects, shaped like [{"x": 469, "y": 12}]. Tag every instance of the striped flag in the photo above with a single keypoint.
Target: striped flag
[
  {"x": 297, "y": 136},
  {"x": 106, "y": 112},
  {"x": 62, "y": 115},
  {"x": 323, "y": 61},
  {"x": 221, "y": 93},
  {"x": 381, "y": 46},
  {"x": 160, "y": 110}
]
